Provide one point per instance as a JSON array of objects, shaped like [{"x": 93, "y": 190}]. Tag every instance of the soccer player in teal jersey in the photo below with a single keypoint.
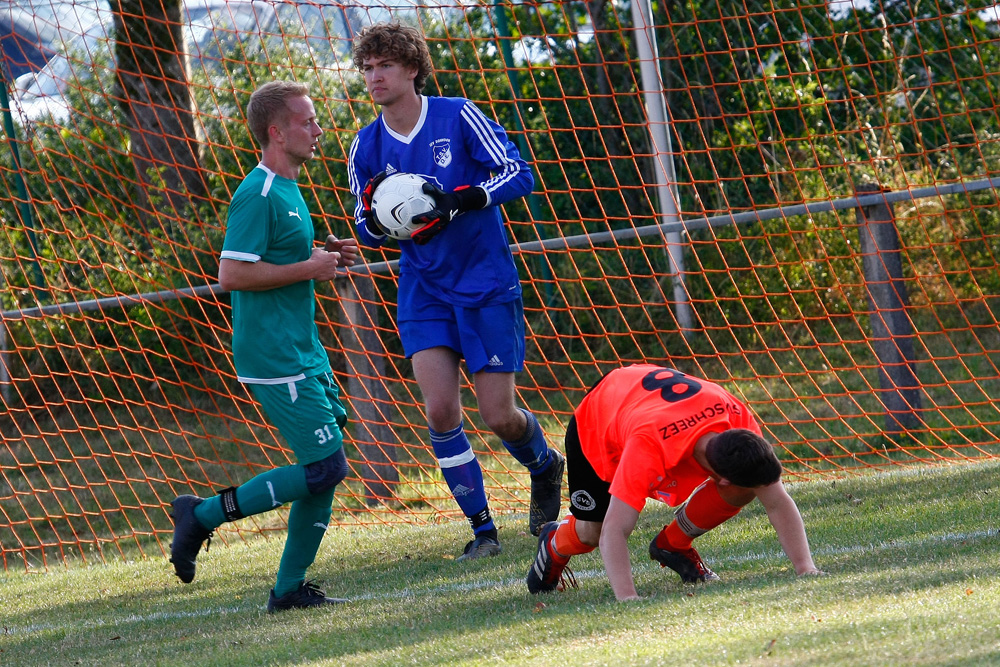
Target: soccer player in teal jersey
[
  {"x": 270, "y": 266},
  {"x": 459, "y": 291}
]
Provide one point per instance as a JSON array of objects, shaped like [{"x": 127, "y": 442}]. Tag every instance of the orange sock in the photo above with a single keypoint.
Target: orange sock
[
  {"x": 704, "y": 510},
  {"x": 566, "y": 542}
]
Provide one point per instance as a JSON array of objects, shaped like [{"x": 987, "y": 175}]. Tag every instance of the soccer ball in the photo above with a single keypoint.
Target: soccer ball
[{"x": 397, "y": 200}]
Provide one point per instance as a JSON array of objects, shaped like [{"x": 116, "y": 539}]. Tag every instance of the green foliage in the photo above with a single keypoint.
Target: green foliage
[
  {"x": 96, "y": 244},
  {"x": 767, "y": 108}
]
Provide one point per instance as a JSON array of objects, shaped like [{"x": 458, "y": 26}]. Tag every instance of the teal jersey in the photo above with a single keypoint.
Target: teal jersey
[{"x": 275, "y": 339}]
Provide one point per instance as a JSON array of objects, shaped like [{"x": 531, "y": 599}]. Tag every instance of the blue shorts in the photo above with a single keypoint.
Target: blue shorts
[
  {"x": 490, "y": 339},
  {"x": 308, "y": 413}
]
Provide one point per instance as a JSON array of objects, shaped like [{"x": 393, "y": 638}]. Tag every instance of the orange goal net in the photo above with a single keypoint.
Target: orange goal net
[{"x": 794, "y": 199}]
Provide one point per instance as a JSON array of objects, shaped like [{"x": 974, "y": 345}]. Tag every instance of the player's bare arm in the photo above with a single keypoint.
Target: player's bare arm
[
  {"x": 618, "y": 525},
  {"x": 259, "y": 276},
  {"x": 784, "y": 516}
]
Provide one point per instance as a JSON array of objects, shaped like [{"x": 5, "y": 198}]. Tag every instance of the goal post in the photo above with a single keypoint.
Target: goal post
[{"x": 797, "y": 202}]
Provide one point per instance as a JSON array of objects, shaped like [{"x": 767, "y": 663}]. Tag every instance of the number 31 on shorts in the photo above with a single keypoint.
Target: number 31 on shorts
[{"x": 325, "y": 434}]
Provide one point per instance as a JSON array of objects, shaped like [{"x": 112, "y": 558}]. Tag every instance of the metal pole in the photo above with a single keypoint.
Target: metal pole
[
  {"x": 23, "y": 207},
  {"x": 659, "y": 129},
  {"x": 891, "y": 329}
]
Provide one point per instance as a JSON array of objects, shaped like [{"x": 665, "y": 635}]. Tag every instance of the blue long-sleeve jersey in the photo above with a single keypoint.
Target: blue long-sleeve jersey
[{"x": 469, "y": 263}]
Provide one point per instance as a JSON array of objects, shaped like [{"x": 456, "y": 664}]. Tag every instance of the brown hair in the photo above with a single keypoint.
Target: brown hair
[
  {"x": 268, "y": 103},
  {"x": 398, "y": 42},
  {"x": 744, "y": 458}
]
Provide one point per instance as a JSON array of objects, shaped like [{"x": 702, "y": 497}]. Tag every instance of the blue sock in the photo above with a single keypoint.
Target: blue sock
[
  {"x": 461, "y": 471},
  {"x": 531, "y": 450}
]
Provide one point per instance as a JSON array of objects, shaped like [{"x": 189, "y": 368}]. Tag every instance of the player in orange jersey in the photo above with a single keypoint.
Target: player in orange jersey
[{"x": 643, "y": 432}]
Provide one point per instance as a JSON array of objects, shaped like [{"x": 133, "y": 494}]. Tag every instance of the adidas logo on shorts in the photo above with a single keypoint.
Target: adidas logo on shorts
[{"x": 495, "y": 361}]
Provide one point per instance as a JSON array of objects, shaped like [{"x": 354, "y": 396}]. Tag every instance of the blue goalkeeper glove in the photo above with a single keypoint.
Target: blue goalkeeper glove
[{"x": 447, "y": 206}]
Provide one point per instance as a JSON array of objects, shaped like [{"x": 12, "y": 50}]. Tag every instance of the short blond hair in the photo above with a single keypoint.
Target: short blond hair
[{"x": 268, "y": 103}]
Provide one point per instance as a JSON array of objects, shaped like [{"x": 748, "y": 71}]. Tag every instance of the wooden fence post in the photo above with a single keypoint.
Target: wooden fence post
[
  {"x": 371, "y": 424},
  {"x": 891, "y": 329}
]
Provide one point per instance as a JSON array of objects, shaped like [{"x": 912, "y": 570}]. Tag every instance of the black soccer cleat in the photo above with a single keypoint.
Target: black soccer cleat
[
  {"x": 546, "y": 493},
  {"x": 306, "y": 595},
  {"x": 485, "y": 544},
  {"x": 547, "y": 573},
  {"x": 189, "y": 535},
  {"x": 687, "y": 563}
]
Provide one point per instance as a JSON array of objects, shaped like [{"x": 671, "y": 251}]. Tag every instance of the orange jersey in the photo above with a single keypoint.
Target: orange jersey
[{"x": 639, "y": 425}]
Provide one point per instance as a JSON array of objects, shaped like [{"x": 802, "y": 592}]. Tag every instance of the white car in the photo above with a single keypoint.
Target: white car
[
  {"x": 43, "y": 93},
  {"x": 32, "y": 31},
  {"x": 219, "y": 36}
]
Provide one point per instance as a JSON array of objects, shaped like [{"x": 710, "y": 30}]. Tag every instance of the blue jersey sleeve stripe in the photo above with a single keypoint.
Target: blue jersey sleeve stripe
[
  {"x": 354, "y": 183},
  {"x": 479, "y": 124},
  {"x": 352, "y": 177},
  {"x": 508, "y": 174},
  {"x": 510, "y": 166}
]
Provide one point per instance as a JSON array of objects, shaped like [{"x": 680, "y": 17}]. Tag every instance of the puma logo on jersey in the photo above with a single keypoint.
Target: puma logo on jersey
[{"x": 294, "y": 214}]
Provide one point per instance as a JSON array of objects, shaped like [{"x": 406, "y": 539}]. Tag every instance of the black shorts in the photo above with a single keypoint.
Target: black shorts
[{"x": 589, "y": 495}]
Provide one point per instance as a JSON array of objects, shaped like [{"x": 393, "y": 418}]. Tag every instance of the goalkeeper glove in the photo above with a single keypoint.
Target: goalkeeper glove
[
  {"x": 368, "y": 216},
  {"x": 447, "y": 205}
]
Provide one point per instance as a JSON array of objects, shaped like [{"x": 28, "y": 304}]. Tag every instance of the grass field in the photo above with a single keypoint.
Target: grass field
[{"x": 913, "y": 579}]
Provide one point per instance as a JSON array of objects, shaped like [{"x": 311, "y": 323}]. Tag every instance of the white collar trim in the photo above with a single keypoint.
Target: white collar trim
[{"x": 416, "y": 128}]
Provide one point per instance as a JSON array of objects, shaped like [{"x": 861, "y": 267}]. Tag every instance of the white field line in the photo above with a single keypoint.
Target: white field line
[{"x": 407, "y": 593}]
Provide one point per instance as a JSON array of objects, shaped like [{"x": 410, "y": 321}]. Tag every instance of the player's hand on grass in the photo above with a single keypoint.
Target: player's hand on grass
[
  {"x": 367, "y": 212},
  {"x": 348, "y": 249},
  {"x": 447, "y": 205}
]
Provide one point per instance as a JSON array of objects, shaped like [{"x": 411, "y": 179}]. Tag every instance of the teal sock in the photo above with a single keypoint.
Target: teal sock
[
  {"x": 264, "y": 492},
  {"x": 307, "y": 523}
]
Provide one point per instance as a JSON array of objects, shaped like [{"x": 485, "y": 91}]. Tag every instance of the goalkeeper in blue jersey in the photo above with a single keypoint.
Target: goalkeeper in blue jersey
[
  {"x": 270, "y": 265},
  {"x": 459, "y": 292}
]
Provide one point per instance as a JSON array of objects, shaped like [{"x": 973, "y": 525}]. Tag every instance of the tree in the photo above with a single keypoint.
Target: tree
[{"x": 152, "y": 91}]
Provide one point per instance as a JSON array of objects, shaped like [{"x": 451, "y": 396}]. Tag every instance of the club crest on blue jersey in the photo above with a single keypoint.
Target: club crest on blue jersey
[{"x": 442, "y": 152}]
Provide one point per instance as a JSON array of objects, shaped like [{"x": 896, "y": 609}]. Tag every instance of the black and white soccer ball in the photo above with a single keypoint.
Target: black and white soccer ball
[{"x": 397, "y": 200}]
